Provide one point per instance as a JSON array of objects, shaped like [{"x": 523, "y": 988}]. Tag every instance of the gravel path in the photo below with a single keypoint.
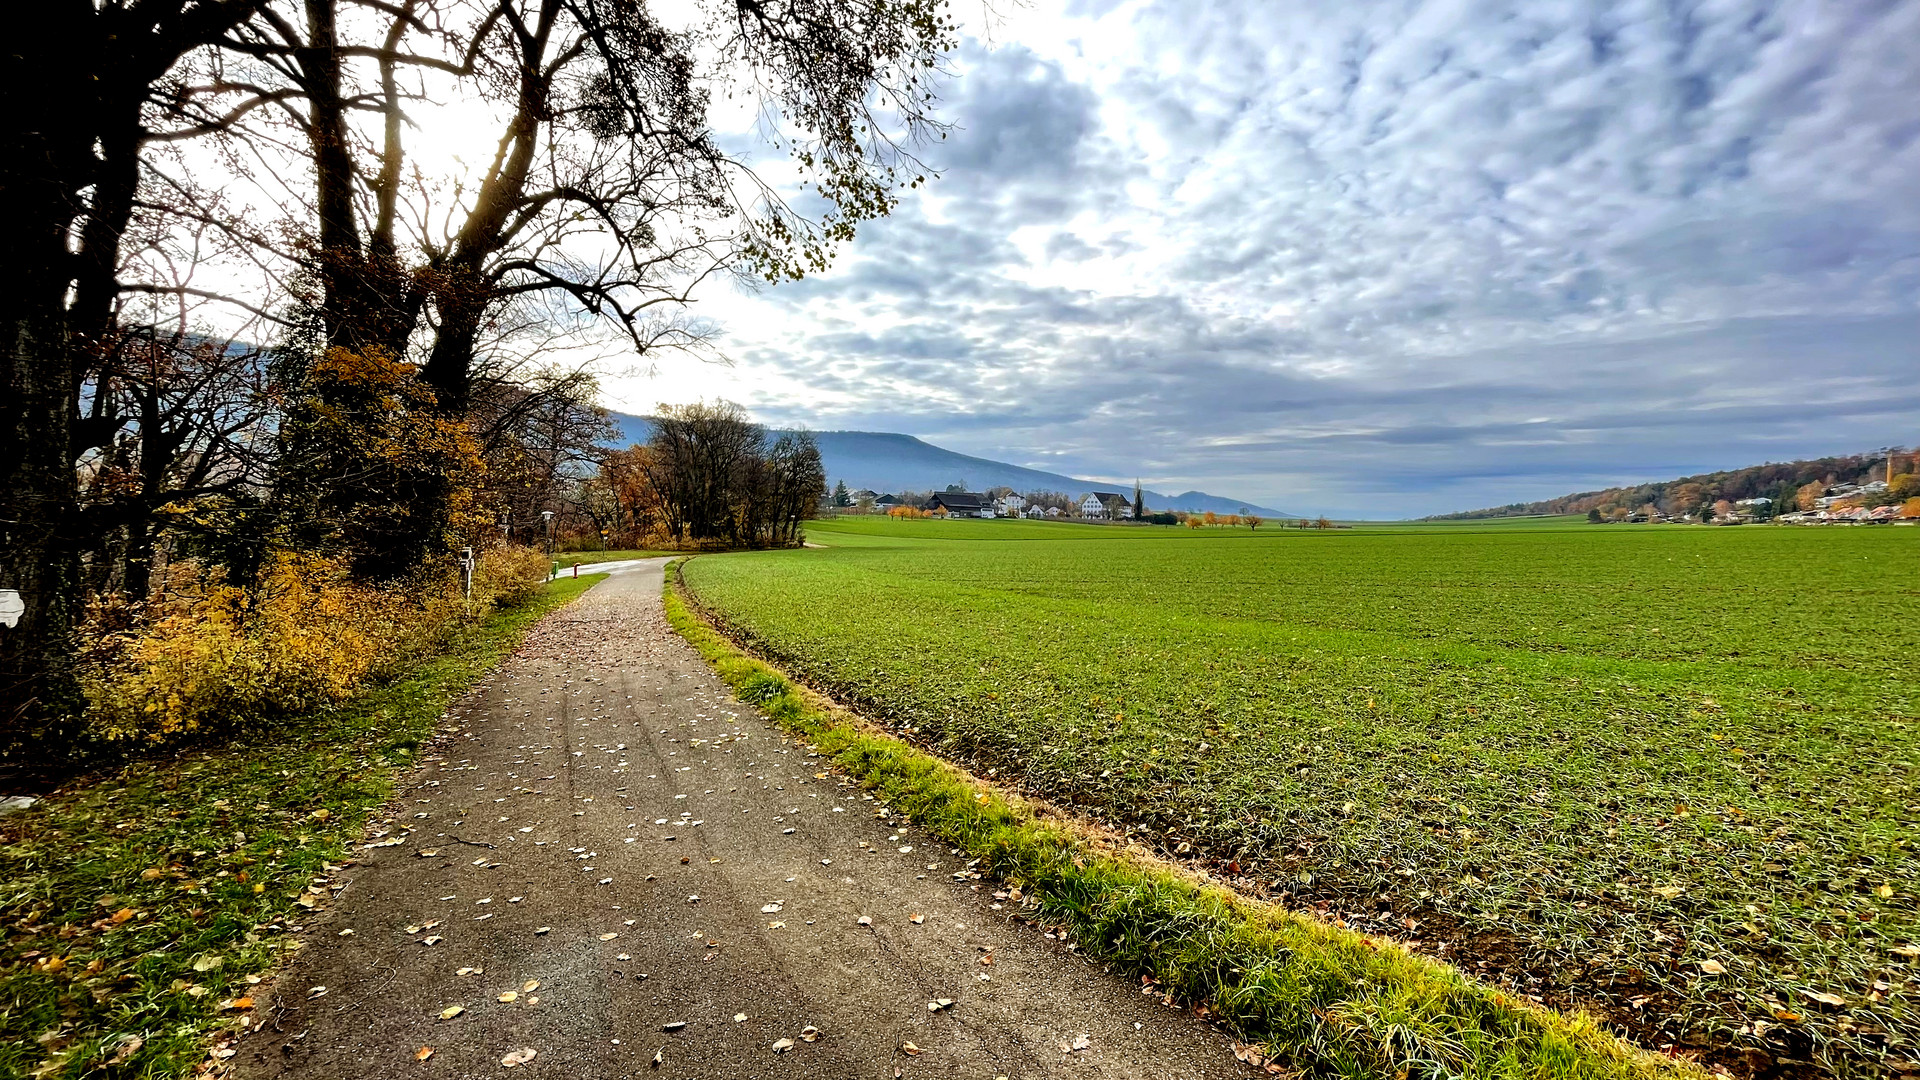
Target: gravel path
[{"x": 637, "y": 863}]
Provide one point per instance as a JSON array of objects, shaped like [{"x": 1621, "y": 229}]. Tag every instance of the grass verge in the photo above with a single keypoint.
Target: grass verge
[
  {"x": 1325, "y": 1001},
  {"x": 141, "y": 905}
]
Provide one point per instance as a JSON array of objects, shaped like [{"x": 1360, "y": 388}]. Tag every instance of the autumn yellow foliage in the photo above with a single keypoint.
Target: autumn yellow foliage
[{"x": 206, "y": 655}]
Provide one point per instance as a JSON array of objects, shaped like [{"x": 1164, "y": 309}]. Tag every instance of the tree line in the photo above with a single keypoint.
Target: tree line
[{"x": 250, "y": 307}]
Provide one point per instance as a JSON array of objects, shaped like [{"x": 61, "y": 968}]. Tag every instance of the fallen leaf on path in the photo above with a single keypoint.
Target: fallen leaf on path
[
  {"x": 468, "y": 971},
  {"x": 769, "y": 909},
  {"x": 519, "y": 1057},
  {"x": 809, "y": 1033},
  {"x": 659, "y": 1057},
  {"x": 916, "y": 919},
  {"x": 423, "y": 1053},
  {"x": 610, "y": 935},
  {"x": 452, "y": 1011},
  {"x": 864, "y": 921},
  {"x": 675, "y": 1026},
  {"x": 510, "y": 995},
  {"x": 776, "y": 926},
  {"x": 739, "y": 1018},
  {"x": 909, "y": 1048},
  {"x": 939, "y": 1003},
  {"x": 624, "y": 956},
  {"x": 530, "y": 986},
  {"x": 1082, "y": 1043},
  {"x": 316, "y": 992},
  {"x": 432, "y": 939},
  {"x": 781, "y": 1046},
  {"x": 542, "y": 929}
]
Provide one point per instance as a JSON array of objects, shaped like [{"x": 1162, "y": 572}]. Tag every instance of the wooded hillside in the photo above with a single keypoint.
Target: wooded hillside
[{"x": 1779, "y": 481}]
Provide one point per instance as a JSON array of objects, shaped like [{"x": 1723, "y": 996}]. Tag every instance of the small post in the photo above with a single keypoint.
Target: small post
[
  {"x": 466, "y": 571},
  {"x": 576, "y": 571}
]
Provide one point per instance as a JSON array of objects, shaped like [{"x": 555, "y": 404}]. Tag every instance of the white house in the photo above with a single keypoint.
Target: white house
[
  {"x": 1036, "y": 512},
  {"x": 1011, "y": 505},
  {"x": 1091, "y": 506}
]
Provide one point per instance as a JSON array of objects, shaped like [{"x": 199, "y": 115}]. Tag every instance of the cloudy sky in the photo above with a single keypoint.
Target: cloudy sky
[{"x": 1381, "y": 259}]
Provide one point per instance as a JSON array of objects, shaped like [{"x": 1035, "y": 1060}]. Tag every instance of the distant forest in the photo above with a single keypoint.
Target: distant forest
[{"x": 1779, "y": 481}]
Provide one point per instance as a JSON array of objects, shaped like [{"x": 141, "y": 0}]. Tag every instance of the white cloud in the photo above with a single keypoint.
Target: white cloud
[{"x": 1512, "y": 248}]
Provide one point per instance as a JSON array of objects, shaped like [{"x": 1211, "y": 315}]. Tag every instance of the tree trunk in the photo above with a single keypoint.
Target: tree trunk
[{"x": 43, "y": 162}]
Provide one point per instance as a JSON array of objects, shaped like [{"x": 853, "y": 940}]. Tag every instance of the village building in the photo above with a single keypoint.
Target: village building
[{"x": 967, "y": 504}]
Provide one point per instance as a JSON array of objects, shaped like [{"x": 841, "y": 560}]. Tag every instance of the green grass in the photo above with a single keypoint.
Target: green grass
[
  {"x": 142, "y": 905},
  {"x": 1583, "y": 761},
  {"x": 1328, "y": 1000}
]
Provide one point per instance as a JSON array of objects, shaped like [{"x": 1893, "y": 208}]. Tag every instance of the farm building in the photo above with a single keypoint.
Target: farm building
[
  {"x": 969, "y": 504},
  {"x": 1105, "y": 504}
]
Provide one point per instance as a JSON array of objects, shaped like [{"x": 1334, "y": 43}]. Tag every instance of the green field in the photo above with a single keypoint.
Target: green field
[{"x": 1593, "y": 764}]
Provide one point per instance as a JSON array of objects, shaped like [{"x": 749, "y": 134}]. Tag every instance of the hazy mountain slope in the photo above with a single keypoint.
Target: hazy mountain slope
[{"x": 888, "y": 462}]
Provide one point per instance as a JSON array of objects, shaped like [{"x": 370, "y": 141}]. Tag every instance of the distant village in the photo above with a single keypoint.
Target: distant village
[
  {"x": 1895, "y": 500},
  {"x": 1004, "y": 502},
  {"x": 1000, "y": 502}
]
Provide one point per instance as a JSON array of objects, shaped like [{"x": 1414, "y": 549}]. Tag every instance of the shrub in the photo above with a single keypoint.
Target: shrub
[
  {"x": 508, "y": 577},
  {"x": 205, "y": 656}
]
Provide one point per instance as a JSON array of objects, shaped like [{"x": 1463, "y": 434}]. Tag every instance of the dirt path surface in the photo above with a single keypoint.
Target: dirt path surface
[{"x": 637, "y": 863}]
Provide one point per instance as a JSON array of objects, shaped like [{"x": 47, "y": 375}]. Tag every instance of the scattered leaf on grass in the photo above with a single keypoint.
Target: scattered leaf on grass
[
  {"x": 1834, "y": 1000},
  {"x": 125, "y": 1049},
  {"x": 1712, "y": 967},
  {"x": 519, "y": 1057}
]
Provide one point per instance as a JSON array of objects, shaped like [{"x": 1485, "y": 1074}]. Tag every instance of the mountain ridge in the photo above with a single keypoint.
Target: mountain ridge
[{"x": 890, "y": 461}]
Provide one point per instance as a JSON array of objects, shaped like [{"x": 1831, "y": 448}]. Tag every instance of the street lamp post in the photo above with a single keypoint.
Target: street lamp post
[{"x": 546, "y": 516}]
